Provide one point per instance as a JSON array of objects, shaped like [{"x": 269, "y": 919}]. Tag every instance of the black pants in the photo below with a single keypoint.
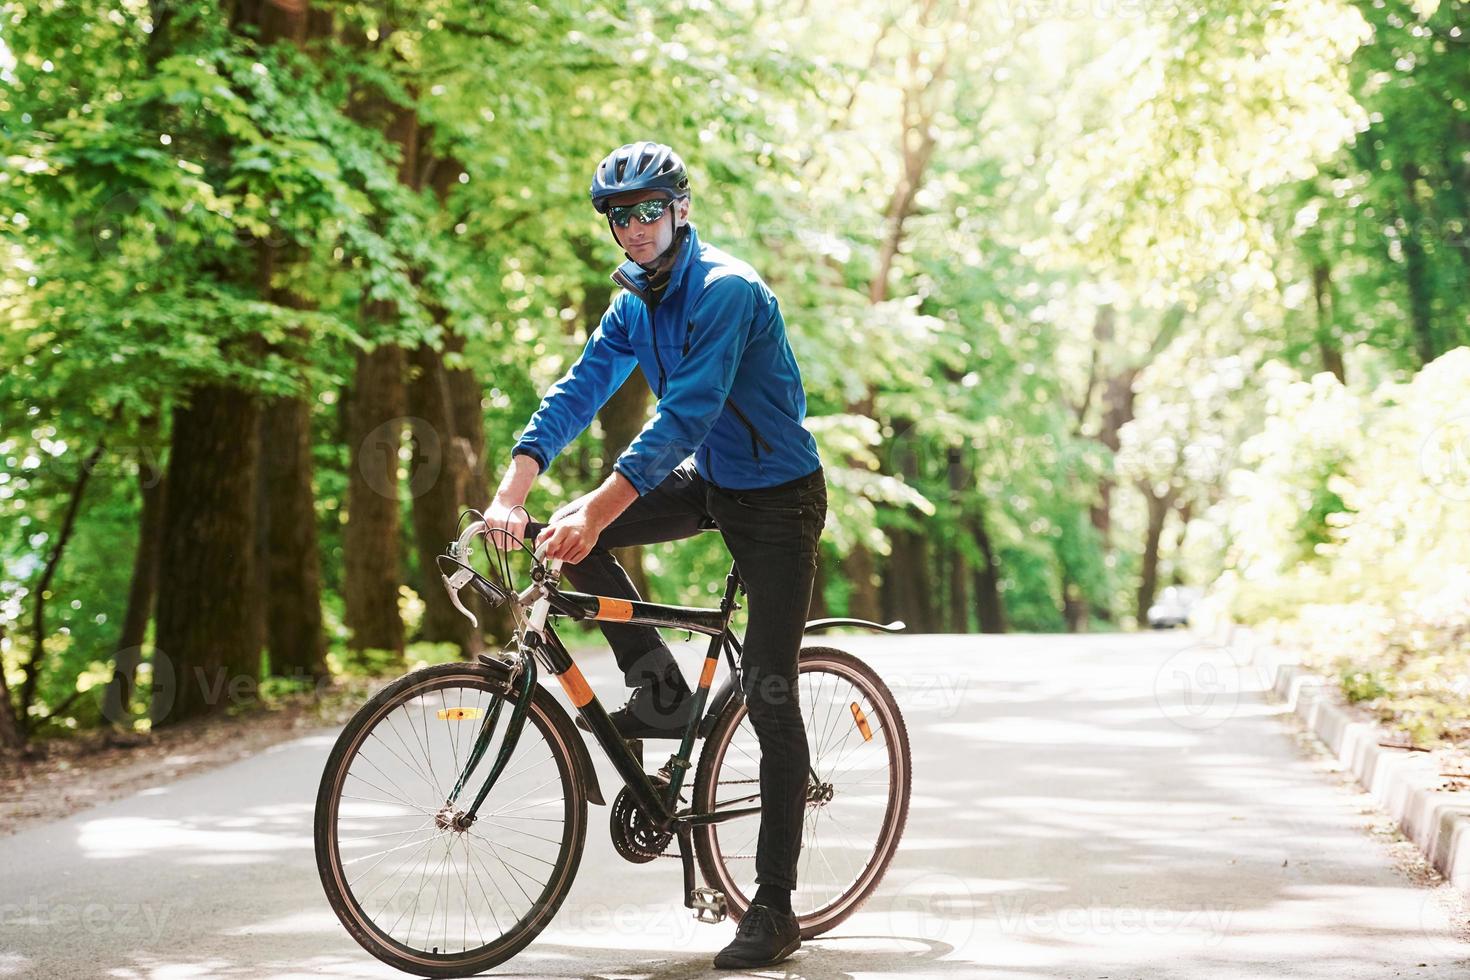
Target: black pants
[{"x": 772, "y": 534}]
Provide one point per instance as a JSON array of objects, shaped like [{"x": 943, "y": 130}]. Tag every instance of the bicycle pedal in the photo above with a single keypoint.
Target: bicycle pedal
[{"x": 708, "y": 905}]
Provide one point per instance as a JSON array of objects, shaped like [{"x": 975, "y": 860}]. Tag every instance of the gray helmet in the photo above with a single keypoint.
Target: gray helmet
[{"x": 638, "y": 166}]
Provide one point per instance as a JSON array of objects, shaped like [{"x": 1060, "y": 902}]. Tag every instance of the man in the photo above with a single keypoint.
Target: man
[{"x": 710, "y": 339}]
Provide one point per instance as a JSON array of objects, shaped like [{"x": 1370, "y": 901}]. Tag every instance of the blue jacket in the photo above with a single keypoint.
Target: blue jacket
[{"x": 715, "y": 353}]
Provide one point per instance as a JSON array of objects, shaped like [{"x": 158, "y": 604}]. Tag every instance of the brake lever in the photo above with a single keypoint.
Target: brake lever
[{"x": 453, "y": 583}]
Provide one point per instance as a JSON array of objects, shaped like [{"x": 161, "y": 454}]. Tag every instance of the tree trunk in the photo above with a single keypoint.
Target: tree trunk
[
  {"x": 468, "y": 411},
  {"x": 37, "y": 661},
  {"x": 12, "y": 738},
  {"x": 958, "y": 583},
  {"x": 153, "y": 488},
  {"x": 287, "y": 581},
  {"x": 907, "y": 589},
  {"x": 819, "y": 608},
  {"x": 917, "y": 141},
  {"x": 437, "y": 483},
  {"x": 958, "y": 479},
  {"x": 988, "y": 599},
  {"x": 1327, "y": 342},
  {"x": 370, "y": 541},
  {"x": 1417, "y": 273},
  {"x": 260, "y": 587},
  {"x": 294, "y": 630},
  {"x": 212, "y": 585},
  {"x": 1186, "y": 513},
  {"x": 861, "y": 573},
  {"x": 1158, "y": 511},
  {"x": 204, "y": 616},
  {"x": 1117, "y": 412}
]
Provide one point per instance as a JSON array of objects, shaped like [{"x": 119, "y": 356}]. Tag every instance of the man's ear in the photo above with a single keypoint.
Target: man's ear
[{"x": 681, "y": 211}]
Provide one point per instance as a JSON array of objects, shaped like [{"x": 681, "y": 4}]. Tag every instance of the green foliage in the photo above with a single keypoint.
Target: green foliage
[
  {"x": 1383, "y": 601},
  {"x": 1028, "y": 261}
]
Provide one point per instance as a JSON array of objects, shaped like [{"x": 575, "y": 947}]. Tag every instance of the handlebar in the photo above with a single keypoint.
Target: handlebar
[{"x": 456, "y": 573}]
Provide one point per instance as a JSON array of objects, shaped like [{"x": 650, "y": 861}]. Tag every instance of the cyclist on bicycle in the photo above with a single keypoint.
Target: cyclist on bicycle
[{"x": 709, "y": 337}]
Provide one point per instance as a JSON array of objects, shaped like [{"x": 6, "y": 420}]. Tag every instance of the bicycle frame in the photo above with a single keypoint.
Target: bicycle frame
[
  {"x": 714, "y": 623},
  {"x": 539, "y": 639}
]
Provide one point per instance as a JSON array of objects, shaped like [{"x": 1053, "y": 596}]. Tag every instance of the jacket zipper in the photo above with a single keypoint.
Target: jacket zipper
[
  {"x": 653, "y": 326},
  {"x": 651, "y": 302},
  {"x": 756, "y": 439}
]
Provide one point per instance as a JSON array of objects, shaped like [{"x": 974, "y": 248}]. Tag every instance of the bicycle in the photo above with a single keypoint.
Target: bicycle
[{"x": 504, "y": 843}]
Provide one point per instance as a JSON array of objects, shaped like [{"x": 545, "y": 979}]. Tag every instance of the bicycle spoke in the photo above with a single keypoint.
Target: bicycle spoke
[
  {"x": 421, "y": 879},
  {"x": 842, "y": 834}
]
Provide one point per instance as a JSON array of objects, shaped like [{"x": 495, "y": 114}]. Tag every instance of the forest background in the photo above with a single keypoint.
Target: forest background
[{"x": 1090, "y": 297}]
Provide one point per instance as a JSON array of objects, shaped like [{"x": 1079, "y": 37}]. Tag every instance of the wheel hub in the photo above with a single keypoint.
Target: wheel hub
[
  {"x": 448, "y": 818},
  {"x": 818, "y": 794}
]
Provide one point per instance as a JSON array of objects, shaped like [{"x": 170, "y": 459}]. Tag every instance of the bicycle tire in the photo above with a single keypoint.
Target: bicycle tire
[
  {"x": 706, "y": 837},
  {"x": 542, "y": 719}
]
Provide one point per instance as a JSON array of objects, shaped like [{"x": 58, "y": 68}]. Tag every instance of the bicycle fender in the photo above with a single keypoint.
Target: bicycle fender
[
  {"x": 582, "y": 757},
  {"x": 817, "y": 625}
]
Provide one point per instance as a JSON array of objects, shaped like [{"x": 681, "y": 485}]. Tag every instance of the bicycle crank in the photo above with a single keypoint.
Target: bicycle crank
[{"x": 633, "y": 836}]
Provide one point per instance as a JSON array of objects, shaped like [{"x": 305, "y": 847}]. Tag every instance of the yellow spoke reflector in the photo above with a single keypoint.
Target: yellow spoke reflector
[
  {"x": 862, "y": 722},
  {"x": 458, "y": 714}
]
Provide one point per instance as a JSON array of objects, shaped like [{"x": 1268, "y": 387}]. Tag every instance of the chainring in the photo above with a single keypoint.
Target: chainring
[{"x": 633, "y": 836}]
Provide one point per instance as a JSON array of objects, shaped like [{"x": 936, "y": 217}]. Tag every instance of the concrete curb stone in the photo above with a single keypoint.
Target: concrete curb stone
[{"x": 1405, "y": 783}]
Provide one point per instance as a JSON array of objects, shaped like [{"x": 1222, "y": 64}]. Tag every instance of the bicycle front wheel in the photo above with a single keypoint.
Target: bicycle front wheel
[
  {"x": 857, "y": 804},
  {"x": 413, "y": 887}
]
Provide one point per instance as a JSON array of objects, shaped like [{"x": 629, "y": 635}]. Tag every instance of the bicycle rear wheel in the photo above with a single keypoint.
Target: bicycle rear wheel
[
  {"x": 855, "y": 813},
  {"x": 412, "y": 887}
]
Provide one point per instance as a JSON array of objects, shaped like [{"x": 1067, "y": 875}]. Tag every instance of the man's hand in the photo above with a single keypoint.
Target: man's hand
[
  {"x": 505, "y": 522},
  {"x": 574, "y": 529},
  {"x": 571, "y": 537}
]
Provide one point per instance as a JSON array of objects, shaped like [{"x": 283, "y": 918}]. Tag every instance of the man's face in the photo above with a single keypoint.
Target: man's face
[{"x": 647, "y": 242}]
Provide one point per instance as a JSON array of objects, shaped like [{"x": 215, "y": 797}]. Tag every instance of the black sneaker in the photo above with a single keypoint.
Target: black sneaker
[
  {"x": 644, "y": 716},
  {"x": 766, "y": 937}
]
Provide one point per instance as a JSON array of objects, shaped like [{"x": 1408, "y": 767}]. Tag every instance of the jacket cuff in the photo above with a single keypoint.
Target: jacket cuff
[
  {"x": 535, "y": 454},
  {"x": 628, "y": 475}
]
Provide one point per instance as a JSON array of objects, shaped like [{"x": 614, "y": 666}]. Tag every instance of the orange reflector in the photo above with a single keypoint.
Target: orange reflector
[
  {"x": 862, "y": 722},
  {"x": 618, "y": 610},
  {"x": 575, "y": 685},
  {"x": 707, "y": 675},
  {"x": 458, "y": 714}
]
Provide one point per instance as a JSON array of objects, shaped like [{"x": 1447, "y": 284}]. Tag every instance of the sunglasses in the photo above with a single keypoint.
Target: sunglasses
[{"x": 647, "y": 212}]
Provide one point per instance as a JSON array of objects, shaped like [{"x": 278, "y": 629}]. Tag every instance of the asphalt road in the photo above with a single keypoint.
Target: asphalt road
[{"x": 1084, "y": 807}]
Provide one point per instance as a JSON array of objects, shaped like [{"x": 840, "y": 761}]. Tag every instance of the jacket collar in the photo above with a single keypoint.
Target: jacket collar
[{"x": 630, "y": 274}]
